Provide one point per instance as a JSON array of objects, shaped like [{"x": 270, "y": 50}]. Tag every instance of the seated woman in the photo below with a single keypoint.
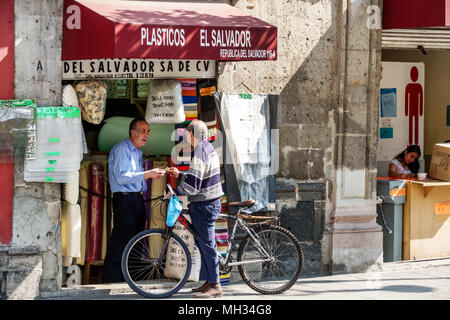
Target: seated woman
[{"x": 405, "y": 164}]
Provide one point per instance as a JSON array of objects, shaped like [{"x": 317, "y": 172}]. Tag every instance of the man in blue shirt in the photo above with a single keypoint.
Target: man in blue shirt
[{"x": 127, "y": 181}]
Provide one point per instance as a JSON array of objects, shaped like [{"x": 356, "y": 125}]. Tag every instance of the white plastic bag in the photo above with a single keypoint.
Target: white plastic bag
[
  {"x": 69, "y": 97},
  {"x": 165, "y": 102}
]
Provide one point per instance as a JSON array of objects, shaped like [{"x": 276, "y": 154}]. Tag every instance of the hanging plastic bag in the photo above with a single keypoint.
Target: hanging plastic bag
[
  {"x": 92, "y": 98},
  {"x": 173, "y": 208},
  {"x": 165, "y": 102},
  {"x": 69, "y": 97}
]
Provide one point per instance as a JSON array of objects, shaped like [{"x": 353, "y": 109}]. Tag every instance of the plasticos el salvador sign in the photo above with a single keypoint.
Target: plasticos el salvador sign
[
  {"x": 137, "y": 69},
  {"x": 233, "y": 44},
  {"x": 151, "y": 30}
]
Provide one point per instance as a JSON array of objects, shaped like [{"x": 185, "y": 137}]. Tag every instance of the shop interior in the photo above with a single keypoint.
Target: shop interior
[
  {"x": 416, "y": 212},
  {"x": 124, "y": 100},
  {"x": 112, "y": 106}
]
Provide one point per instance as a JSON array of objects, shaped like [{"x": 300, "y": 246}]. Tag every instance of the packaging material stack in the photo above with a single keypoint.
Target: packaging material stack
[
  {"x": 59, "y": 146},
  {"x": 96, "y": 209},
  {"x": 221, "y": 230},
  {"x": 208, "y": 113},
  {"x": 15, "y": 118},
  {"x": 189, "y": 92}
]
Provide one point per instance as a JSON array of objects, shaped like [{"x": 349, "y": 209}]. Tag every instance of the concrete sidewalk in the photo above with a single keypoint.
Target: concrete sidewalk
[{"x": 405, "y": 280}]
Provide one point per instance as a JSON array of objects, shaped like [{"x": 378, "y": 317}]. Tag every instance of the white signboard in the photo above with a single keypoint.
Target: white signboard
[
  {"x": 137, "y": 69},
  {"x": 402, "y": 98}
]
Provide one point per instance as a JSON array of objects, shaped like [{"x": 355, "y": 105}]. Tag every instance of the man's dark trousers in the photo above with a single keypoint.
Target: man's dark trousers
[
  {"x": 129, "y": 219},
  {"x": 204, "y": 215}
]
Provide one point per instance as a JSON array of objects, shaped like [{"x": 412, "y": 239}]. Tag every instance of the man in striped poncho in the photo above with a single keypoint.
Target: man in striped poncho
[{"x": 202, "y": 184}]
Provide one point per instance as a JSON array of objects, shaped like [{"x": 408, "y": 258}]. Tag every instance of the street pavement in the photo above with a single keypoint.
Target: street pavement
[{"x": 404, "y": 280}]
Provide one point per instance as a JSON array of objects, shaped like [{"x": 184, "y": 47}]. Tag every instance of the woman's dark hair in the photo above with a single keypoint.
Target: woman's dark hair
[
  {"x": 133, "y": 124},
  {"x": 415, "y": 166}
]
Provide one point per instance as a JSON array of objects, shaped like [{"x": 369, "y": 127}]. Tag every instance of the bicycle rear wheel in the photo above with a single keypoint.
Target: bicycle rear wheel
[
  {"x": 281, "y": 267},
  {"x": 152, "y": 270}
]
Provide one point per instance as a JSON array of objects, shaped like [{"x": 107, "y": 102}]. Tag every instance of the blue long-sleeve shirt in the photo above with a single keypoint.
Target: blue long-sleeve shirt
[{"x": 126, "y": 170}]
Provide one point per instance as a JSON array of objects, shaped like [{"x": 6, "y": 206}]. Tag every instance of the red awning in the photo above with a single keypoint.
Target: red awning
[
  {"x": 411, "y": 14},
  {"x": 164, "y": 30}
]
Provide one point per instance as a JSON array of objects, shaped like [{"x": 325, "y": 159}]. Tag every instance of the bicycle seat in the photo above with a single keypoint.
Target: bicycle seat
[{"x": 243, "y": 204}]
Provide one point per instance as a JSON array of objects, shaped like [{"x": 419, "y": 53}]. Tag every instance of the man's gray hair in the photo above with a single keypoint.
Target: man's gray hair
[{"x": 199, "y": 128}]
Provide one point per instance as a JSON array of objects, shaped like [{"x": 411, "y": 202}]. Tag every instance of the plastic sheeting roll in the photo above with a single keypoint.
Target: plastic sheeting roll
[
  {"x": 71, "y": 191},
  {"x": 148, "y": 165},
  {"x": 171, "y": 179},
  {"x": 158, "y": 211},
  {"x": 115, "y": 130},
  {"x": 105, "y": 206},
  {"x": 69, "y": 97},
  {"x": 95, "y": 212},
  {"x": 84, "y": 183},
  {"x": 71, "y": 229}
]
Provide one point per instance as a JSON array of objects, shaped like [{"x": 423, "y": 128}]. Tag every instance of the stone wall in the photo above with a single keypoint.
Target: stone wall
[
  {"x": 32, "y": 261},
  {"x": 327, "y": 80}
]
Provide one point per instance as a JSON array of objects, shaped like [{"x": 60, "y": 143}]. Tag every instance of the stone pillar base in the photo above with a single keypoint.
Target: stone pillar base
[
  {"x": 356, "y": 241},
  {"x": 355, "y": 252},
  {"x": 20, "y": 274}
]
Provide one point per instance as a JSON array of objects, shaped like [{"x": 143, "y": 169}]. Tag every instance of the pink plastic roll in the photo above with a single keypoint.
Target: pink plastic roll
[{"x": 95, "y": 211}]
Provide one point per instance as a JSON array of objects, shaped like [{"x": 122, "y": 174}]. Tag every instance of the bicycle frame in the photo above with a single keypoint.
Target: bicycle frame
[{"x": 223, "y": 260}]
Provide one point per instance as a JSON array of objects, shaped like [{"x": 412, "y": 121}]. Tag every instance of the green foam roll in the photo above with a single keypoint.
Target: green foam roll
[{"x": 115, "y": 130}]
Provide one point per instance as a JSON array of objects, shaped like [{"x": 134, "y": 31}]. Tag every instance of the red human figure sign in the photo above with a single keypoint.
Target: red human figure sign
[{"x": 414, "y": 105}]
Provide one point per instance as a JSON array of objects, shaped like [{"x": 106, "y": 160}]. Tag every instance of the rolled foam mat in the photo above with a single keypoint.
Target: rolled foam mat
[
  {"x": 71, "y": 191},
  {"x": 158, "y": 210},
  {"x": 148, "y": 165},
  {"x": 95, "y": 213},
  {"x": 70, "y": 231},
  {"x": 105, "y": 207},
  {"x": 171, "y": 179},
  {"x": 84, "y": 183}
]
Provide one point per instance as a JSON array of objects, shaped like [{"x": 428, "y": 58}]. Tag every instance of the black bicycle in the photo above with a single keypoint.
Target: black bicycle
[{"x": 156, "y": 263}]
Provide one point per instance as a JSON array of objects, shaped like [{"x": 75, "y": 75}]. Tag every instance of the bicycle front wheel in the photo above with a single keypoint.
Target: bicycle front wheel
[
  {"x": 274, "y": 260},
  {"x": 156, "y": 266}
]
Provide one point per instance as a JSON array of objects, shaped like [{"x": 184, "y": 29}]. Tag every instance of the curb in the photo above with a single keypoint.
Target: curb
[{"x": 415, "y": 264}]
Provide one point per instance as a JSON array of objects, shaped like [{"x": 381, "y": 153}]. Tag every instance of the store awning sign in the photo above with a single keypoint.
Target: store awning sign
[
  {"x": 413, "y": 14},
  {"x": 164, "y": 30},
  {"x": 137, "y": 69}
]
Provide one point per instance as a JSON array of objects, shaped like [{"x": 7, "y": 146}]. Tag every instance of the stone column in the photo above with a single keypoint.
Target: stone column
[
  {"x": 355, "y": 239},
  {"x": 37, "y": 206}
]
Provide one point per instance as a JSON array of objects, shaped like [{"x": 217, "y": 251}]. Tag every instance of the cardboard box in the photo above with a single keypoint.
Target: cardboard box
[{"x": 440, "y": 162}]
